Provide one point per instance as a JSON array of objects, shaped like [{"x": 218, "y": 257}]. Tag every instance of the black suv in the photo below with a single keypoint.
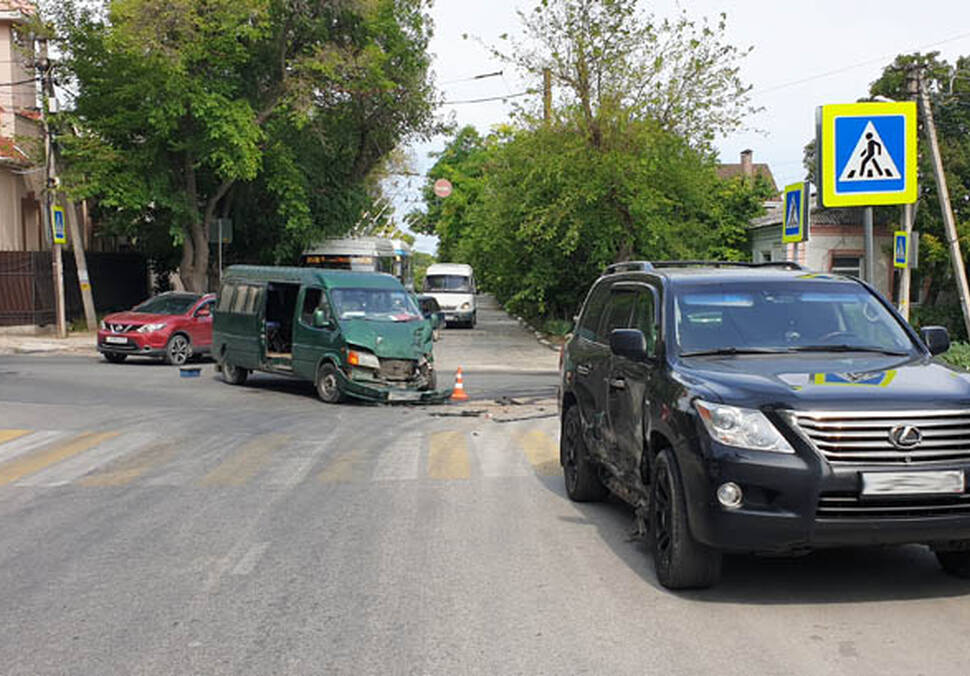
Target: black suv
[{"x": 763, "y": 408}]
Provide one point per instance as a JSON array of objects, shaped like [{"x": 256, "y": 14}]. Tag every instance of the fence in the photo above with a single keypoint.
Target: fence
[{"x": 119, "y": 281}]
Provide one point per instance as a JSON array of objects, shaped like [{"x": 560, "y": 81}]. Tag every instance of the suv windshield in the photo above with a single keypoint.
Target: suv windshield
[
  {"x": 167, "y": 304},
  {"x": 378, "y": 304},
  {"x": 784, "y": 316},
  {"x": 447, "y": 283}
]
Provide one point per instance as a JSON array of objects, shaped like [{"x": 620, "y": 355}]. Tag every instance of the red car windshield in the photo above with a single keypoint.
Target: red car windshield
[{"x": 168, "y": 304}]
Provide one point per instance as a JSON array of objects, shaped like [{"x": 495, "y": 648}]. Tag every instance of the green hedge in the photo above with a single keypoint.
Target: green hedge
[
  {"x": 958, "y": 355},
  {"x": 949, "y": 315}
]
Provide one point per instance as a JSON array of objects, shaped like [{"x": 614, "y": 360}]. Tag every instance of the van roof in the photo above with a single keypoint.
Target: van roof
[
  {"x": 329, "y": 278},
  {"x": 449, "y": 269}
]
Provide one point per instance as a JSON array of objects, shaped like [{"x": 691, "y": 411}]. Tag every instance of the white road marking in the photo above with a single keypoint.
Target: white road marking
[
  {"x": 204, "y": 454},
  {"x": 401, "y": 460},
  {"x": 30, "y": 442},
  {"x": 77, "y": 466},
  {"x": 298, "y": 461},
  {"x": 250, "y": 559},
  {"x": 497, "y": 452}
]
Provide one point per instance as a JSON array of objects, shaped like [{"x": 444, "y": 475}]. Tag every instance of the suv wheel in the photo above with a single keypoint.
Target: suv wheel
[
  {"x": 581, "y": 475},
  {"x": 680, "y": 561},
  {"x": 956, "y": 563}
]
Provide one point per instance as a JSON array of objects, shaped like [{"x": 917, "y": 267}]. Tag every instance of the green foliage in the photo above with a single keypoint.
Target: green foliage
[
  {"x": 942, "y": 314},
  {"x": 268, "y": 112},
  {"x": 957, "y": 355},
  {"x": 420, "y": 263}
]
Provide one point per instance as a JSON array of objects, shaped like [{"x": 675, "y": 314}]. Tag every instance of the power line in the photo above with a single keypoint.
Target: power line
[
  {"x": 470, "y": 79},
  {"x": 881, "y": 59},
  {"x": 490, "y": 98}
]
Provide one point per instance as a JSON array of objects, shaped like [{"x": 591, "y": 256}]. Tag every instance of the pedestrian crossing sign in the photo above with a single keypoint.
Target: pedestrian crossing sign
[
  {"x": 900, "y": 249},
  {"x": 795, "y": 220},
  {"x": 868, "y": 154},
  {"x": 57, "y": 225}
]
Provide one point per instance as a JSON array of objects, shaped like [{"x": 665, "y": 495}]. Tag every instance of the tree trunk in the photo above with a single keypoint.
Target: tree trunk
[{"x": 194, "y": 266}]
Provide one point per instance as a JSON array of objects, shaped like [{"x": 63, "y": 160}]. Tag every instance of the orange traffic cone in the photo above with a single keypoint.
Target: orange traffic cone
[{"x": 459, "y": 394}]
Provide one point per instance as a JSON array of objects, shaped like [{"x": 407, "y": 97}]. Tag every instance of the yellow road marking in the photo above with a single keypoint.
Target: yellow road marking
[
  {"x": 17, "y": 469},
  {"x": 10, "y": 435},
  {"x": 130, "y": 468},
  {"x": 542, "y": 452},
  {"x": 341, "y": 469},
  {"x": 448, "y": 456},
  {"x": 241, "y": 467}
]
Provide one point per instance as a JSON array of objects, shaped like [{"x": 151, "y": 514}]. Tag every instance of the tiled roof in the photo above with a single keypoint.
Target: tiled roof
[
  {"x": 10, "y": 151},
  {"x": 774, "y": 212},
  {"x": 22, "y": 6}
]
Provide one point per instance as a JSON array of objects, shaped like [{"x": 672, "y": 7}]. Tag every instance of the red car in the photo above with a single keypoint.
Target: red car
[{"x": 173, "y": 326}]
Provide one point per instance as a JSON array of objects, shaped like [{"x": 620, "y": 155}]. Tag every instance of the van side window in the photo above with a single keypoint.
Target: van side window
[
  {"x": 225, "y": 297},
  {"x": 241, "y": 299},
  {"x": 255, "y": 300},
  {"x": 311, "y": 301}
]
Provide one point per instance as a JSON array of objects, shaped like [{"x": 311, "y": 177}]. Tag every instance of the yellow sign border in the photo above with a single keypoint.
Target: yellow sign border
[
  {"x": 905, "y": 263},
  {"x": 801, "y": 186},
  {"x": 860, "y": 199},
  {"x": 54, "y": 211}
]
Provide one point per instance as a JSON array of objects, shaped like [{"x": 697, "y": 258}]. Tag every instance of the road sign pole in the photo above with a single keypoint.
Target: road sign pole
[
  {"x": 951, "y": 230},
  {"x": 220, "y": 251},
  {"x": 906, "y": 275},
  {"x": 869, "y": 275}
]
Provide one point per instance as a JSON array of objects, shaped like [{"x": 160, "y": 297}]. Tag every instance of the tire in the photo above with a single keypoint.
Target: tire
[
  {"x": 432, "y": 383},
  {"x": 234, "y": 375},
  {"x": 679, "y": 560},
  {"x": 114, "y": 357},
  {"x": 328, "y": 384},
  {"x": 473, "y": 321},
  {"x": 178, "y": 350},
  {"x": 579, "y": 473},
  {"x": 955, "y": 563}
]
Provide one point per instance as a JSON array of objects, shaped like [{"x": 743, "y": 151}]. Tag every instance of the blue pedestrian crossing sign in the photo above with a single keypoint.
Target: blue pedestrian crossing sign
[
  {"x": 868, "y": 154},
  {"x": 900, "y": 249},
  {"x": 57, "y": 225},
  {"x": 795, "y": 220}
]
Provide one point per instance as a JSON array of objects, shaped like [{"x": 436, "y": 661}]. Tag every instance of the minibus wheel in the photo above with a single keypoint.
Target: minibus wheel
[{"x": 328, "y": 384}]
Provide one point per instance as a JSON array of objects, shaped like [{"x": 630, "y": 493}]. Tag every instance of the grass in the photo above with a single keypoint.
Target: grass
[{"x": 957, "y": 355}]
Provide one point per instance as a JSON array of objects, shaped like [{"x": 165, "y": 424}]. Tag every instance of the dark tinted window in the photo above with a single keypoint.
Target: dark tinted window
[
  {"x": 168, "y": 304},
  {"x": 645, "y": 318},
  {"x": 311, "y": 301},
  {"x": 593, "y": 311},
  {"x": 618, "y": 312},
  {"x": 447, "y": 283}
]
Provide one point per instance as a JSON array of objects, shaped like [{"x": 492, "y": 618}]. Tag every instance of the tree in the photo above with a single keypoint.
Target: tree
[{"x": 189, "y": 109}]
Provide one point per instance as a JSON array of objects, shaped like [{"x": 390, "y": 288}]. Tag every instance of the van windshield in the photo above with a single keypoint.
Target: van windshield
[
  {"x": 784, "y": 317},
  {"x": 375, "y": 304},
  {"x": 456, "y": 283}
]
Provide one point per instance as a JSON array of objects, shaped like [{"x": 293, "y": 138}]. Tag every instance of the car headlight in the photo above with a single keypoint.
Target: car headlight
[
  {"x": 465, "y": 306},
  {"x": 149, "y": 328},
  {"x": 741, "y": 427},
  {"x": 366, "y": 360}
]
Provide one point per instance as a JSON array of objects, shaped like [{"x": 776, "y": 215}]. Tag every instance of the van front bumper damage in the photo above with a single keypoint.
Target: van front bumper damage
[{"x": 390, "y": 394}]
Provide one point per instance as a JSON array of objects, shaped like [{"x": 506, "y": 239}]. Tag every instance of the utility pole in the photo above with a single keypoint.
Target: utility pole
[
  {"x": 81, "y": 262},
  {"x": 50, "y": 176},
  {"x": 912, "y": 87},
  {"x": 547, "y": 95},
  {"x": 948, "y": 221}
]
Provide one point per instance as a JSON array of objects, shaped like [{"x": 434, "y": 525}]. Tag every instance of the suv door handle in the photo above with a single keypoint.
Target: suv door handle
[
  {"x": 618, "y": 383},
  {"x": 582, "y": 369}
]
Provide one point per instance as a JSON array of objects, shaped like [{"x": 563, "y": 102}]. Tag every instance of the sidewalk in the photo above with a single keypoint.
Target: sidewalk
[{"x": 75, "y": 343}]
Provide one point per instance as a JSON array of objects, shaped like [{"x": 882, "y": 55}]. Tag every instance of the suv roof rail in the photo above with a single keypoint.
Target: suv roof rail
[{"x": 653, "y": 265}]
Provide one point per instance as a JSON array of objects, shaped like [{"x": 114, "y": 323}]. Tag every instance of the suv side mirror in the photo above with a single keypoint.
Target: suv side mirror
[
  {"x": 937, "y": 339},
  {"x": 629, "y": 343},
  {"x": 321, "y": 319}
]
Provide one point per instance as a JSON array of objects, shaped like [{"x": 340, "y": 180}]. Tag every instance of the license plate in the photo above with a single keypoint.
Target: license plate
[
  {"x": 451, "y": 318},
  {"x": 117, "y": 340},
  {"x": 403, "y": 396},
  {"x": 913, "y": 483}
]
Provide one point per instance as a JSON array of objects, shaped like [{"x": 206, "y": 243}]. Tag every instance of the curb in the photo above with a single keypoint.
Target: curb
[{"x": 538, "y": 334}]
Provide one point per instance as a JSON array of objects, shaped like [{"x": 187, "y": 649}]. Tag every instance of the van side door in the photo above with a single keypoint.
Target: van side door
[{"x": 310, "y": 342}]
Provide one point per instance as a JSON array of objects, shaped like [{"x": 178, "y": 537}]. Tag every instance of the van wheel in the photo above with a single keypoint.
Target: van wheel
[
  {"x": 328, "y": 384},
  {"x": 580, "y": 474},
  {"x": 680, "y": 561},
  {"x": 474, "y": 320},
  {"x": 234, "y": 375}
]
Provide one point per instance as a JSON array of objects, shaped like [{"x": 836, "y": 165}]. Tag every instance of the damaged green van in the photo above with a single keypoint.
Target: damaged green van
[{"x": 353, "y": 334}]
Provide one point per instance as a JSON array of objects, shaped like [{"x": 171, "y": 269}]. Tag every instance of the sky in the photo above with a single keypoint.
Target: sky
[{"x": 805, "y": 54}]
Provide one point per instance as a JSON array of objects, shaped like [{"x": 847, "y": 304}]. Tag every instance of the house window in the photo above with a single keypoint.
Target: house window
[
  {"x": 763, "y": 256},
  {"x": 847, "y": 265}
]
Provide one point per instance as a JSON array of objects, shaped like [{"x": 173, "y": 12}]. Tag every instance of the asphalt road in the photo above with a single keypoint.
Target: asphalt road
[{"x": 152, "y": 524}]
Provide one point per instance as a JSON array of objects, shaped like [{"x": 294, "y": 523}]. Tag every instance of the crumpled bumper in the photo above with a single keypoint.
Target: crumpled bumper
[{"x": 391, "y": 395}]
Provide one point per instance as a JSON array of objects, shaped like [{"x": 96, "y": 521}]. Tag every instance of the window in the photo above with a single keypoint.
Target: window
[
  {"x": 240, "y": 303},
  {"x": 255, "y": 300},
  {"x": 618, "y": 312},
  {"x": 225, "y": 297},
  {"x": 847, "y": 265},
  {"x": 593, "y": 311},
  {"x": 645, "y": 318},
  {"x": 311, "y": 301}
]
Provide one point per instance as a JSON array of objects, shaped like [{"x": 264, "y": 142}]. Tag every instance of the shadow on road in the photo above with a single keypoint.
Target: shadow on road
[{"x": 849, "y": 575}]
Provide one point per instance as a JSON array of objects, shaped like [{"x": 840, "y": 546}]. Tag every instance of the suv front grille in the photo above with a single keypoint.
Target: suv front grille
[
  {"x": 864, "y": 436},
  {"x": 123, "y": 328},
  {"x": 851, "y": 506}
]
